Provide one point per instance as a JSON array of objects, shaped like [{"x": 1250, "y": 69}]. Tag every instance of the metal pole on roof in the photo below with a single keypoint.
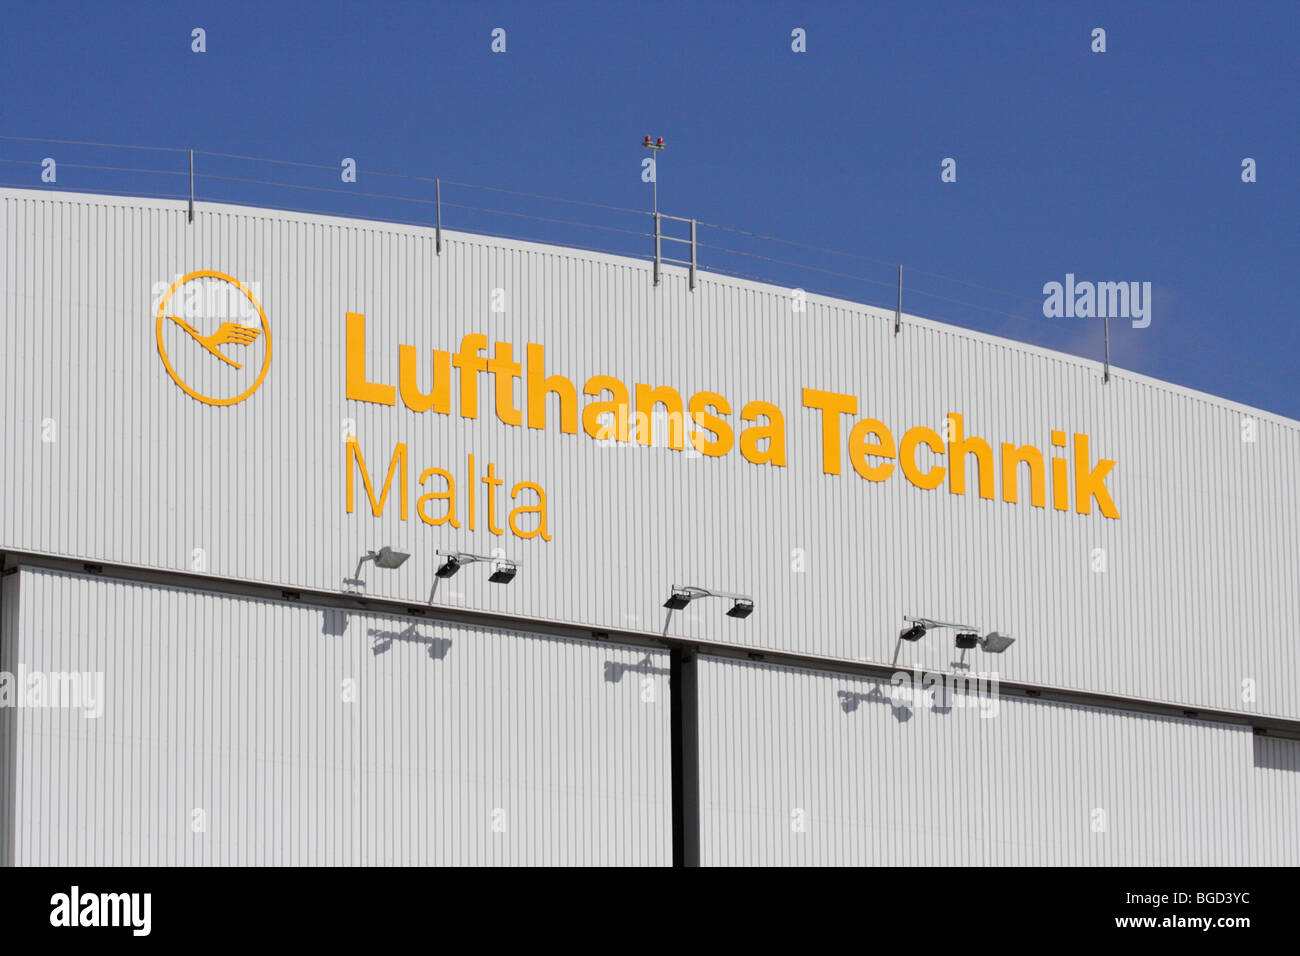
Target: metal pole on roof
[
  {"x": 1105, "y": 376},
  {"x": 437, "y": 197},
  {"x": 656, "y": 247},
  {"x": 654, "y": 180},
  {"x": 692, "y": 255},
  {"x": 898, "y": 314},
  {"x": 191, "y": 185},
  {"x": 655, "y": 146}
]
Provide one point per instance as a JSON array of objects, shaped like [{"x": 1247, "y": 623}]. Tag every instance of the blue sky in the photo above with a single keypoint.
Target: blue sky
[{"x": 1123, "y": 165}]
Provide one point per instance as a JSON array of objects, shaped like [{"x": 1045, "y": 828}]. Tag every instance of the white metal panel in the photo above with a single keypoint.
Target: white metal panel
[
  {"x": 878, "y": 779},
  {"x": 8, "y": 722},
  {"x": 459, "y": 745},
  {"x": 1197, "y": 605},
  {"x": 1275, "y": 779}
]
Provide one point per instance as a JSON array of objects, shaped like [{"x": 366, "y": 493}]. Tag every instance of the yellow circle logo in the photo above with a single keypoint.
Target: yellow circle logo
[{"x": 202, "y": 314}]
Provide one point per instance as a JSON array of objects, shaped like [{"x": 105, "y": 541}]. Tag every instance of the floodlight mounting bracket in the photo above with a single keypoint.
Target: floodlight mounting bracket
[
  {"x": 465, "y": 557},
  {"x": 929, "y": 623},
  {"x": 699, "y": 592}
]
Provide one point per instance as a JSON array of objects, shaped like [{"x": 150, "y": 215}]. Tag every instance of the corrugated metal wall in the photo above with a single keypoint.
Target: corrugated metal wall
[
  {"x": 1197, "y": 605},
  {"x": 8, "y": 720},
  {"x": 1277, "y": 808},
  {"x": 803, "y": 768},
  {"x": 241, "y": 710},
  {"x": 457, "y": 746}
]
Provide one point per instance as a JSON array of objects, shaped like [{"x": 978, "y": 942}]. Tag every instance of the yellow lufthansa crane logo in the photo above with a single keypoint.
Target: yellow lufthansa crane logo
[
  {"x": 230, "y": 333},
  {"x": 235, "y": 337}
]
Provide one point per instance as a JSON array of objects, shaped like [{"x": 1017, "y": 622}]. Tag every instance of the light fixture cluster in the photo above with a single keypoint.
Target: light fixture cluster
[
  {"x": 742, "y": 605},
  {"x": 503, "y": 571},
  {"x": 968, "y": 637}
]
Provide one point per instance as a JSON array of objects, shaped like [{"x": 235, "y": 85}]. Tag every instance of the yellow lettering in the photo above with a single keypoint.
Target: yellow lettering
[
  {"x": 616, "y": 408},
  {"x": 1012, "y": 459},
  {"x": 505, "y": 372},
  {"x": 449, "y": 496},
  {"x": 491, "y": 480},
  {"x": 538, "y": 509},
  {"x": 539, "y": 386},
  {"x": 1091, "y": 484},
  {"x": 907, "y": 457},
  {"x": 646, "y": 399},
  {"x": 773, "y": 431},
  {"x": 702, "y": 404},
  {"x": 408, "y": 376},
  {"x": 860, "y": 449},
  {"x": 471, "y": 485},
  {"x": 832, "y": 406},
  {"x": 469, "y": 363},
  {"x": 958, "y": 449},
  {"x": 398, "y": 461},
  {"x": 358, "y": 389}
]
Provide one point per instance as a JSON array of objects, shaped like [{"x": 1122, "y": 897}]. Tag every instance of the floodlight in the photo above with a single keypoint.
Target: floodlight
[
  {"x": 680, "y": 597},
  {"x": 996, "y": 643},
  {"x": 503, "y": 570},
  {"x": 967, "y": 634},
  {"x": 742, "y": 605},
  {"x": 913, "y": 633},
  {"x": 386, "y": 557},
  {"x": 741, "y": 608}
]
